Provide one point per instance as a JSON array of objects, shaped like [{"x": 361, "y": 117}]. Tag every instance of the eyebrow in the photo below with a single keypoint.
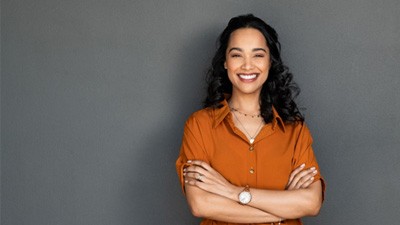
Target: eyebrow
[{"x": 254, "y": 49}]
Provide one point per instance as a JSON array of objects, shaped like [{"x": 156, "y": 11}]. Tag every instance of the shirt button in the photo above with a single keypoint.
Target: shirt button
[
  {"x": 252, "y": 171},
  {"x": 251, "y": 148}
]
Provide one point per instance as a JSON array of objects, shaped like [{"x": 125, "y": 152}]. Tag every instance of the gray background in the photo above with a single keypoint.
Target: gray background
[{"x": 94, "y": 95}]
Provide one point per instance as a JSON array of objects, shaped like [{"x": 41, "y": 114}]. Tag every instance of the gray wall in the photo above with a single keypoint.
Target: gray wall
[
  {"x": 94, "y": 95},
  {"x": 0, "y": 115}
]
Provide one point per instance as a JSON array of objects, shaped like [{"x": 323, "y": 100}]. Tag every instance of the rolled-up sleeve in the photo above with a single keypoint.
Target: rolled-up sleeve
[
  {"x": 304, "y": 154},
  {"x": 192, "y": 148}
]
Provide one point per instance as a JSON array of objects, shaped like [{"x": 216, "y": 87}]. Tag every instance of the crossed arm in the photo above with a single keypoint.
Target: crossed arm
[{"x": 215, "y": 198}]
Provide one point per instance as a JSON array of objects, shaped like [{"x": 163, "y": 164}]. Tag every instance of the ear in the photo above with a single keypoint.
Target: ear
[{"x": 225, "y": 65}]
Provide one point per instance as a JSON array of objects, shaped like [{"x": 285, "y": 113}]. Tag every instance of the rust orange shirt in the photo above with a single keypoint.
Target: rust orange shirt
[{"x": 210, "y": 135}]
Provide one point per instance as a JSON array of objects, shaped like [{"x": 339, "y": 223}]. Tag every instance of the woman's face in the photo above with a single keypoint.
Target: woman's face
[{"x": 247, "y": 61}]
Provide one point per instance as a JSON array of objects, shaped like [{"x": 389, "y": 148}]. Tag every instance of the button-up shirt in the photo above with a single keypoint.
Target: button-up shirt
[{"x": 211, "y": 135}]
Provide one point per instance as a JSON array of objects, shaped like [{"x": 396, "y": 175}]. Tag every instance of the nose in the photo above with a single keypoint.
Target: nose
[{"x": 247, "y": 64}]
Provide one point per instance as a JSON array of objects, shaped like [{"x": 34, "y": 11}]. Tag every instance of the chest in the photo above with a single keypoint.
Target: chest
[{"x": 267, "y": 163}]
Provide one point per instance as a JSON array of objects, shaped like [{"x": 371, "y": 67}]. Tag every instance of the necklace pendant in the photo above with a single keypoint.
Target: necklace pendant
[{"x": 251, "y": 140}]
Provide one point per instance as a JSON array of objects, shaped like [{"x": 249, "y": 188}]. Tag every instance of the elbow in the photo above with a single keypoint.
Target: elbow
[
  {"x": 197, "y": 207},
  {"x": 307, "y": 208},
  {"x": 314, "y": 210},
  {"x": 199, "y": 201},
  {"x": 196, "y": 211},
  {"x": 314, "y": 200},
  {"x": 314, "y": 206}
]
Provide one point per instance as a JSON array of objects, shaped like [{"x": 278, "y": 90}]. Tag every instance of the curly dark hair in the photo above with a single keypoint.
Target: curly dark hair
[{"x": 279, "y": 90}]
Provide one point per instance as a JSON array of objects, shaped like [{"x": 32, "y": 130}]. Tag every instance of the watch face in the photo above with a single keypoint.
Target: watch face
[{"x": 244, "y": 197}]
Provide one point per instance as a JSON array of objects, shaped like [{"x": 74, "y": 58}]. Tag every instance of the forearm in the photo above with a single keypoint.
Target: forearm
[
  {"x": 207, "y": 205},
  {"x": 288, "y": 204}
]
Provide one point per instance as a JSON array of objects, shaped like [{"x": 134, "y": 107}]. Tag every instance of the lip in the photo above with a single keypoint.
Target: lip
[{"x": 247, "y": 77}]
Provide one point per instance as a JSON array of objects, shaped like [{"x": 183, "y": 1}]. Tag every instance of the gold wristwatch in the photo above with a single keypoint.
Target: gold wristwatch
[{"x": 245, "y": 196}]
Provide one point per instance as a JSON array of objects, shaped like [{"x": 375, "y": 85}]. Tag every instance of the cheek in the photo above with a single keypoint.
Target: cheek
[
  {"x": 265, "y": 65},
  {"x": 268, "y": 66},
  {"x": 231, "y": 64},
  {"x": 230, "y": 75}
]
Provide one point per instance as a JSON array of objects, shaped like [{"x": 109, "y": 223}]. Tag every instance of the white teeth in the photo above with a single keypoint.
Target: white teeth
[{"x": 248, "y": 77}]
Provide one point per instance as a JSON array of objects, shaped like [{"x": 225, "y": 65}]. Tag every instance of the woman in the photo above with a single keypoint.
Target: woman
[{"x": 247, "y": 156}]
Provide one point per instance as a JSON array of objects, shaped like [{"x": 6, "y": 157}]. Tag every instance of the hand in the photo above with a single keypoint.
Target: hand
[
  {"x": 301, "y": 178},
  {"x": 205, "y": 177}
]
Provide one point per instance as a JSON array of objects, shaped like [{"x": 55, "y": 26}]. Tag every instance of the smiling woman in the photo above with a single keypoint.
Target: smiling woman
[
  {"x": 247, "y": 61},
  {"x": 247, "y": 156}
]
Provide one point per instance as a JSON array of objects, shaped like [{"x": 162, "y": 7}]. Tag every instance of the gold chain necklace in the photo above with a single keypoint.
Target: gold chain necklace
[
  {"x": 245, "y": 114},
  {"x": 252, "y": 138}
]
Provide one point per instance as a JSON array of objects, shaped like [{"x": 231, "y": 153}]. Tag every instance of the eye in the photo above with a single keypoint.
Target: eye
[
  {"x": 260, "y": 55},
  {"x": 235, "y": 55}
]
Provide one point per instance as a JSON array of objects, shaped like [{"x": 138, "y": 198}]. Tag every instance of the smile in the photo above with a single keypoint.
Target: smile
[{"x": 248, "y": 77}]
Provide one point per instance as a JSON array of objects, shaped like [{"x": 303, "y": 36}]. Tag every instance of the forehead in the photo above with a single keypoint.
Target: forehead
[{"x": 247, "y": 37}]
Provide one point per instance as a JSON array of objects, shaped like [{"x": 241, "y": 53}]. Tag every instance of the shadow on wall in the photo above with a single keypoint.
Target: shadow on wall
[{"x": 154, "y": 192}]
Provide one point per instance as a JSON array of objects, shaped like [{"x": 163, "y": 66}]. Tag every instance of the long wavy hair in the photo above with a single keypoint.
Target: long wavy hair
[{"x": 279, "y": 90}]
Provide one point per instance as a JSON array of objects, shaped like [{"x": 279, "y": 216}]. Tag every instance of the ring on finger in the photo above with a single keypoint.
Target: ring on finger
[{"x": 199, "y": 177}]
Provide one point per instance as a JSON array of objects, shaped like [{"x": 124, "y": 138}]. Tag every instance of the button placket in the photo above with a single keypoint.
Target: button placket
[
  {"x": 252, "y": 171},
  {"x": 251, "y": 148},
  {"x": 252, "y": 164}
]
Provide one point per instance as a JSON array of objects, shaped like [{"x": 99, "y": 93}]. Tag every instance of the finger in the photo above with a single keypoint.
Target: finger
[
  {"x": 296, "y": 171},
  {"x": 197, "y": 172},
  {"x": 204, "y": 168},
  {"x": 303, "y": 173},
  {"x": 305, "y": 178},
  {"x": 195, "y": 169},
  {"x": 302, "y": 181},
  {"x": 200, "y": 177},
  {"x": 200, "y": 163},
  {"x": 188, "y": 179},
  {"x": 307, "y": 183},
  {"x": 196, "y": 176},
  {"x": 297, "y": 175},
  {"x": 300, "y": 175},
  {"x": 197, "y": 183},
  {"x": 192, "y": 182}
]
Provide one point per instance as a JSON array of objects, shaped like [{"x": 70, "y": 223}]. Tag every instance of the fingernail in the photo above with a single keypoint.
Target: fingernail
[
  {"x": 189, "y": 161},
  {"x": 312, "y": 178},
  {"x": 186, "y": 181},
  {"x": 312, "y": 168},
  {"x": 184, "y": 174},
  {"x": 302, "y": 165},
  {"x": 315, "y": 171},
  {"x": 184, "y": 170}
]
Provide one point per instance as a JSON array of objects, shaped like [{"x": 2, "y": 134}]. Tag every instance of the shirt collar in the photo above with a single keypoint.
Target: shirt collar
[
  {"x": 219, "y": 115},
  {"x": 277, "y": 120}
]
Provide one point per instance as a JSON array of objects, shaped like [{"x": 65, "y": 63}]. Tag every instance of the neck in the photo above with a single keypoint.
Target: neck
[{"x": 246, "y": 103}]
